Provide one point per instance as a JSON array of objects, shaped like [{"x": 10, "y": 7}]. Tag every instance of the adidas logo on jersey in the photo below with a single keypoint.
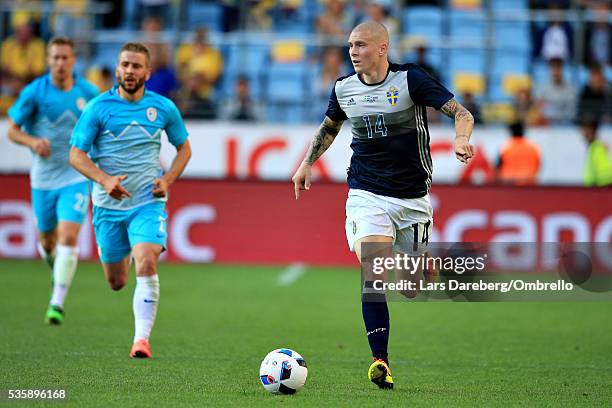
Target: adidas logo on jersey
[{"x": 351, "y": 102}]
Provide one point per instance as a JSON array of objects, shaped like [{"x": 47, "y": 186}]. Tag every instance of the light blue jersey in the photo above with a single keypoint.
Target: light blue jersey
[
  {"x": 45, "y": 111},
  {"x": 124, "y": 137}
]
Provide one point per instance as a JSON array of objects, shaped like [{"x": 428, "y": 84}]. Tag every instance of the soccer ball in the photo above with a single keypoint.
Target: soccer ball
[{"x": 283, "y": 371}]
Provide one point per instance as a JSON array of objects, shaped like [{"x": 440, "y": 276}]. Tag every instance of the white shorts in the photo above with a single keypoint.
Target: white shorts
[{"x": 408, "y": 220}]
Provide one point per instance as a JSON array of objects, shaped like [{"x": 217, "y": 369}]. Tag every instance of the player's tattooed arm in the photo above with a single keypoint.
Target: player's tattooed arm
[
  {"x": 464, "y": 121},
  {"x": 324, "y": 137},
  {"x": 464, "y": 124}
]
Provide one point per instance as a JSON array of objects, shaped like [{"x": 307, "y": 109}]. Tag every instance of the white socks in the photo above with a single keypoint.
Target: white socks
[
  {"x": 49, "y": 258},
  {"x": 64, "y": 267},
  {"x": 146, "y": 297}
]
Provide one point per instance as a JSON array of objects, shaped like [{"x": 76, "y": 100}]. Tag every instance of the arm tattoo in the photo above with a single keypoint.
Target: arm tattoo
[
  {"x": 464, "y": 121},
  {"x": 450, "y": 108},
  {"x": 324, "y": 137},
  {"x": 455, "y": 110}
]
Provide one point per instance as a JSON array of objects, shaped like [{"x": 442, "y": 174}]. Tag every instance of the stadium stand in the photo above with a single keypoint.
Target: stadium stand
[{"x": 488, "y": 48}]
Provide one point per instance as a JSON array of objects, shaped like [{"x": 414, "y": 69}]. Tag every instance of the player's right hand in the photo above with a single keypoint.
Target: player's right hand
[
  {"x": 112, "y": 186},
  {"x": 42, "y": 147},
  {"x": 301, "y": 179}
]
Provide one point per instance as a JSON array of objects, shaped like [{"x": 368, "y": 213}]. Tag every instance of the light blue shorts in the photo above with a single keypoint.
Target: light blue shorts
[
  {"x": 117, "y": 231},
  {"x": 68, "y": 203}
]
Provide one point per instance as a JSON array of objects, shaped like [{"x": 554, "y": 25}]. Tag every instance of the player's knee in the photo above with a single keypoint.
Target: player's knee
[
  {"x": 48, "y": 243},
  {"x": 68, "y": 240},
  {"x": 146, "y": 265},
  {"x": 68, "y": 233},
  {"x": 116, "y": 283},
  {"x": 48, "y": 247}
]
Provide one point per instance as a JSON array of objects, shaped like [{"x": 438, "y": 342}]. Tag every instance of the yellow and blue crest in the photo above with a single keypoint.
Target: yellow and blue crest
[{"x": 392, "y": 95}]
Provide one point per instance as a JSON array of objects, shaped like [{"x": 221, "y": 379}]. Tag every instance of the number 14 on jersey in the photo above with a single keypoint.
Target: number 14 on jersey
[{"x": 379, "y": 128}]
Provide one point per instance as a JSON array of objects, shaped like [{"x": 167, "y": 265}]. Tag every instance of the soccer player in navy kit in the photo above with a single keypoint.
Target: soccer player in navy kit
[{"x": 390, "y": 172}]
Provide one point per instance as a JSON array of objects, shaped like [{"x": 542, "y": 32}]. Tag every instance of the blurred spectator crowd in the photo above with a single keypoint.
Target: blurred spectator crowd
[{"x": 537, "y": 62}]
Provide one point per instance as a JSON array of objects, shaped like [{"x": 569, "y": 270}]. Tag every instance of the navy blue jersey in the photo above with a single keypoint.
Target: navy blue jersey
[{"x": 390, "y": 143}]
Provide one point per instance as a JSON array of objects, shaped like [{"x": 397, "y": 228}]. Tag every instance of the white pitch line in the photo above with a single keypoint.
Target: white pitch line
[{"x": 292, "y": 273}]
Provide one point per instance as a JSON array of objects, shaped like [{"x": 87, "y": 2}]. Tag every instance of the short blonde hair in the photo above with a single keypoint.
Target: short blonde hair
[
  {"x": 60, "y": 41},
  {"x": 139, "y": 48}
]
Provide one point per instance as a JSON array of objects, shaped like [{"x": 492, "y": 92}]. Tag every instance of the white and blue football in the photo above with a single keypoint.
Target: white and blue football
[{"x": 283, "y": 371}]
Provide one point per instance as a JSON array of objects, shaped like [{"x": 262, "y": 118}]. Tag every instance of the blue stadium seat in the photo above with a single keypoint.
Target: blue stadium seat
[
  {"x": 106, "y": 55},
  {"x": 285, "y": 114},
  {"x": 248, "y": 60},
  {"x": 583, "y": 75},
  {"x": 251, "y": 57},
  {"x": 510, "y": 61},
  {"x": 298, "y": 23},
  {"x": 286, "y": 92},
  {"x": 80, "y": 67},
  {"x": 512, "y": 34},
  {"x": 496, "y": 90},
  {"x": 286, "y": 83},
  {"x": 425, "y": 21},
  {"x": 467, "y": 24},
  {"x": 129, "y": 13},
  {"x": 434, "y": 57},
  {"x": 204, "y": 14},
  {"x": 508, "y": 5},
  {"x": 467, "y": 60}
]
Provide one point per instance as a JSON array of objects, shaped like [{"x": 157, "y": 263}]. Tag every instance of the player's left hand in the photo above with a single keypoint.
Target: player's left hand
[
  {"x": 160, "y": 187},
  {"x": 464, "y": 151}
]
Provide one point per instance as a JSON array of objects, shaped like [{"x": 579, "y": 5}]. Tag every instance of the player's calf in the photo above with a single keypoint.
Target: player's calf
[
  {"x": 46, "y": 247},
  {"x": 117, "y": 273}
]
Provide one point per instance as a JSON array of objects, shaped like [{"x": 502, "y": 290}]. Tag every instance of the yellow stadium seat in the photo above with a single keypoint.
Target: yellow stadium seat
[
  {"x": 288, "y": 51},
  {"x": 512, "y": 83},
  {"x": 466, "y": 4},
  {"x": 465, "y": 82},
  {"x": 497, "y": 113}
]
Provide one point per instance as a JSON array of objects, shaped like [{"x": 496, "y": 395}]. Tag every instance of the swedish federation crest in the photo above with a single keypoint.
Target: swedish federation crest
[{"x": 392, "y": 95}]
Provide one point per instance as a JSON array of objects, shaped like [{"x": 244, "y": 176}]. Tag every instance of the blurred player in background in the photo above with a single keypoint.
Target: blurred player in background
[
  {"x": 390, "y": 171},
  {"x": 42, "y": 119},
  {"x": 519, "y": 159},
  {"x": 121, "y": 130},
  {"x": 598, "y": 165}
]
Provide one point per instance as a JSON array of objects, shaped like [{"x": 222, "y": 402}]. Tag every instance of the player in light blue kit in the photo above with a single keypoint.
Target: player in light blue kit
[
  {"x": 121, "y": 130},
  {"x": 42, "y": 119}
]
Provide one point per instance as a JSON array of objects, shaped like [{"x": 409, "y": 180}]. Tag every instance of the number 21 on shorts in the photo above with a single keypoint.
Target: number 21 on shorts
[{"x": 81, "y": 202}]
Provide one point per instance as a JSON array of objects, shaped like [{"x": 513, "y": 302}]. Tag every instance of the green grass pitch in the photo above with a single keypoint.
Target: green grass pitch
[{"x": 216, "y": 323}]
